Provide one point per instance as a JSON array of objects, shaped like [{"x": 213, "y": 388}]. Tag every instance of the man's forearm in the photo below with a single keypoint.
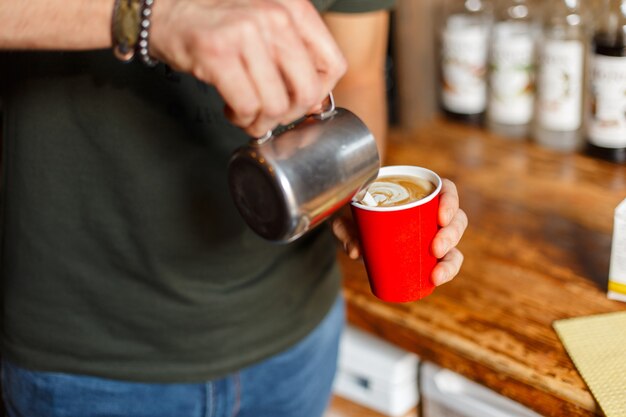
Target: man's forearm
[
  {"x": 368, "y": 100},
  {"x": 363, "y": 38},
  {"x": 55, "y": 24}
]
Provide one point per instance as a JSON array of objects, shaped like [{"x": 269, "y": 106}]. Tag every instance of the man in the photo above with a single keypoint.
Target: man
[{"x": 131, "y": 287}]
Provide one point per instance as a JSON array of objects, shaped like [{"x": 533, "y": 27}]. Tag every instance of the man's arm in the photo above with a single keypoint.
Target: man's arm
[
  {"x": 271, "y": 60},
  {"x": 363, "y": 40},
  {"x": 55, "y": 24}
]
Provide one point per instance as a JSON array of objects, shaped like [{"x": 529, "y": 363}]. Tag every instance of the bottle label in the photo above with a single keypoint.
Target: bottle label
[
  {"x": 512, "y": 74},
  {"x": 464, "y": 67},
  {"x": 560, "y": 94},
  {"x": 607, "y": 124}
]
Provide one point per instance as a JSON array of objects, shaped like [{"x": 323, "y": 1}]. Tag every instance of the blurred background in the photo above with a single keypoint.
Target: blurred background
[{"x": 522, "y": 103}]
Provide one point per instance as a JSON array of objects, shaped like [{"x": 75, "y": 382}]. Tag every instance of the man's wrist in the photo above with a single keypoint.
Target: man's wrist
[{"x": 160, "y": 30}]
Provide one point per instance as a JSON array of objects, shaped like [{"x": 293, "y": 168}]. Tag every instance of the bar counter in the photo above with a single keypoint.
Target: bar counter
[{"x": 536, "y": 250}]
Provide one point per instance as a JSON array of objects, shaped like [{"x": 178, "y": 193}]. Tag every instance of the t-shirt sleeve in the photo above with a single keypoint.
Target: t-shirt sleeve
[{"x": 359, "y": 6}]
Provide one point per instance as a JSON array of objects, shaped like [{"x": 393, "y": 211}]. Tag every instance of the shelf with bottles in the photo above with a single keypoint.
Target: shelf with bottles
[{"x": 556, "y": 75}]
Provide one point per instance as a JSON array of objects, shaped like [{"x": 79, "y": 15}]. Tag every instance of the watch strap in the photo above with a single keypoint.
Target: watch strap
[{"x": 125, "y": 27}]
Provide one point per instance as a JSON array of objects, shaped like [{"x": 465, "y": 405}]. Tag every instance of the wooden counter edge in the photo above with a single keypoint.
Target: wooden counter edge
[{"x": 429, "y": 350}]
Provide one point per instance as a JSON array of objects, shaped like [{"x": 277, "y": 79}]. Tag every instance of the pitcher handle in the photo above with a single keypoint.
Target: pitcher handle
[
  {"x": 323, "y": 115},
  {"x": 326, "y": 113}
]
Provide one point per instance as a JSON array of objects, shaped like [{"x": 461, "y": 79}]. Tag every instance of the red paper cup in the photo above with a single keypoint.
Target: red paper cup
[{"x": 396, "y": 241}]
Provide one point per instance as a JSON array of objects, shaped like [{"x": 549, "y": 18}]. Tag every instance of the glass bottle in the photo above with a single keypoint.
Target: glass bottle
[
  {"x": 464, "y": 46},
  {"x": 606, "y": 133},
  {"x": 563, "y": 62},
  {"x": 512, "y": 69}
]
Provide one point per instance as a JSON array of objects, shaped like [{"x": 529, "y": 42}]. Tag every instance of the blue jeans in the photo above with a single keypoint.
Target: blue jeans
[{"x": 294, "y": 383}]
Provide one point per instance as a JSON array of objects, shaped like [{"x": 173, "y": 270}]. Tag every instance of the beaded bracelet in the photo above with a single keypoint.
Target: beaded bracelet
[{"x": 144, "y": 33}]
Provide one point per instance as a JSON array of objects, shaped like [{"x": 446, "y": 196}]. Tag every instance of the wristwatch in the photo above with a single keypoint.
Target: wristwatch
[{"x": 125, "y": 27}]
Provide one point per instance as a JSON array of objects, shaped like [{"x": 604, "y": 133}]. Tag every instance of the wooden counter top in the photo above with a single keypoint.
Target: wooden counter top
[{"x": 537, "y": 250}]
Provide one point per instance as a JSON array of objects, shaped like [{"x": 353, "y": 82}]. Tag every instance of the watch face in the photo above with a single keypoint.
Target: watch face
[{"x": 126, "y": 20}]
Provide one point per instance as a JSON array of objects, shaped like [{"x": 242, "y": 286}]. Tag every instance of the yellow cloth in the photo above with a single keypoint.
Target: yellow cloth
[{"x": 597, "y": 346}]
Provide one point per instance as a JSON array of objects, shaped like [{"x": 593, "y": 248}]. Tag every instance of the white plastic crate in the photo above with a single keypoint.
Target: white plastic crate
[
  {"x": 447, "y": 394},
  {"x": 376, "y": 374}
]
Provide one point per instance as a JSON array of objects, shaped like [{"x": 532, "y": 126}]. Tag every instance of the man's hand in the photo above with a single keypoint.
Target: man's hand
[
  {"x": 453, "y": 222},
  {"x": 271, "y": 60}
]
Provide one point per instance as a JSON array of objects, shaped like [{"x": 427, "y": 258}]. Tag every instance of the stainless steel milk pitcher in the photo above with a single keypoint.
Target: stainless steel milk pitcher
[{"x": 291, "y": 180}]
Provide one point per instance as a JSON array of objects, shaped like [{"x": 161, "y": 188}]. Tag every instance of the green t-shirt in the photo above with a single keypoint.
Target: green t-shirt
[{"x": 123, "y": 255}]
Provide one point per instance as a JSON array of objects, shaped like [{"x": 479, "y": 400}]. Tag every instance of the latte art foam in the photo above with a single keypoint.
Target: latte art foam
[{"x": 399, "y": 190}]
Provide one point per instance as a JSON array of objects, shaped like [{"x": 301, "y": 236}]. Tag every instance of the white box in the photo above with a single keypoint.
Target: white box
[
  {"x": 447, "y": 394},
  {"x": 376, "y": 374},
  {"x": 617, "y": 270}
]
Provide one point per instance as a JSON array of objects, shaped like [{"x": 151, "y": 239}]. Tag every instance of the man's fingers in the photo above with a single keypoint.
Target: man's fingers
[
  {"x": 346, "y": 233},
  {"x": 299, "y": 75},
  {"x": 448, "y": 267},
  {"x": 238, "y": 91},
  {"x": 448, "y": 203},
  {"x": 308, "y": 57},
  {"x": 268, "y": 83},
  {"x": 449, "y": 236},
  {"x": 325, "y": 54}
]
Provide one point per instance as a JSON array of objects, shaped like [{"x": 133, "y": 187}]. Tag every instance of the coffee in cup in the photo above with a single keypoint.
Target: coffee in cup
[{"x": 397, "y": 190}]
